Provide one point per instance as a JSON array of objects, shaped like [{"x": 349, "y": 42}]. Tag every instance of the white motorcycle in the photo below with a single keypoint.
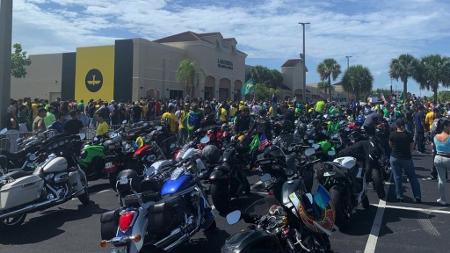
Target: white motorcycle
[{"x": 52, "y": 183}]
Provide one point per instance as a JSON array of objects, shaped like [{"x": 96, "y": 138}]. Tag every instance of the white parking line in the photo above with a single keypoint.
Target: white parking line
[
  {"x": 103, "y": 191},
  {"x": 375, "y": 231},
  {"x": 425, "y": 210}
]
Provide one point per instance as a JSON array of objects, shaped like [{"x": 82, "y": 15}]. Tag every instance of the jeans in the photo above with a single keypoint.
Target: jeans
[
  {"x": 442, "y": 165},
  {"x": 420, "y": 141},
  {"x": 408, "y": 167}
]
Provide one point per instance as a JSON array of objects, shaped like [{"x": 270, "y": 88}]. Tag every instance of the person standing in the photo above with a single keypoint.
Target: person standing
[
  {"x": 73, "y": 125},
  {"x": 419, "y": 129},
  {"x": 442, "y": 160},
  {"x": 38, "y": 122},
  {"x": 401, "y": 144}
]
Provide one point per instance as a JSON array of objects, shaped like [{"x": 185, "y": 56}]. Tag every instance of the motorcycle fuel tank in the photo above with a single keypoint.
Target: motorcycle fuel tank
[{"x": 172, "y": 186}]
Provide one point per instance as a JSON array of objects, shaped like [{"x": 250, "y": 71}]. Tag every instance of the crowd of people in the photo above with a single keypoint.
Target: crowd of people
[{"x": 412, "y": 124}]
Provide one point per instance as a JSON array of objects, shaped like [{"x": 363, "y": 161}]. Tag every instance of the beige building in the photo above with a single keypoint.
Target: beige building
[
  {"x": 292, "y": 72},
  {"x": 137, "y": 68}
]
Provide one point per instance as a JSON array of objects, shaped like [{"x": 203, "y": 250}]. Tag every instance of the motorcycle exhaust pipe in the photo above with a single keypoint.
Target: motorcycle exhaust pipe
[{"x": 28, "y": 208}]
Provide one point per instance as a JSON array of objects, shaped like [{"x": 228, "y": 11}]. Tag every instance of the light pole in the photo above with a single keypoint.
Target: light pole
[
  {"x": 5, "y": 58},
  {"x": 303, "y": 58},
  {"x": 348, "y": 60}
]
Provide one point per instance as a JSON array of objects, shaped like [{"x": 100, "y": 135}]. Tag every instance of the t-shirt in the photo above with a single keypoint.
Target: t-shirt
[
  {"x": 38, "y": 124},
  {"x": 223, "y": 115},
  {"x": 429, "y": 119},
  {"x": 401, "y": 145},
  {"x": 171, "y": 120},
  {"x": 49, "y": 119},
  {"x": 320, "y": 106},
  {"x": 102, "y": 129}
]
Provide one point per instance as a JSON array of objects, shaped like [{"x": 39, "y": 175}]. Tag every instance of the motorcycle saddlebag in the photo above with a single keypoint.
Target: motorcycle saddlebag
[
  {"x": 109, "y": 222},
  {"x": 21, "y": 191}
]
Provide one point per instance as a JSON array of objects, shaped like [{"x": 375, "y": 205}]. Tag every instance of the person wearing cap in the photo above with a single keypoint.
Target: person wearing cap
[{"x": 401, "y": 143}]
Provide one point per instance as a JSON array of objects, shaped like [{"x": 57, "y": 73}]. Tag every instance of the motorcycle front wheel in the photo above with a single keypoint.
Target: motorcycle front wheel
[
  {"x": 220, "y": 196},
  {"x": 12, "y": 222},
  {"x": 342, "y": 217}
]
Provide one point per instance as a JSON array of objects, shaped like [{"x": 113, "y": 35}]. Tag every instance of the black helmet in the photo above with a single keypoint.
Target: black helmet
[
  {"x": 211, "y": 154},
  {"x": 125, "y": 180}
]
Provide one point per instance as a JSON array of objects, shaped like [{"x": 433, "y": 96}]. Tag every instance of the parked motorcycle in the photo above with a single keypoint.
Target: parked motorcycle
[
  {"x": 53, "y": 182},
  {"x": 301, "y": 223},
  {"x": 161, "y": 219},
  {"x": 346, "y": 182}
]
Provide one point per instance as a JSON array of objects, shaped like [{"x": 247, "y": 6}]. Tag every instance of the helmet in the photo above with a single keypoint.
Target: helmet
[
  {"x": 211, "y": 154},
  {"x": 126, "y": 181}
]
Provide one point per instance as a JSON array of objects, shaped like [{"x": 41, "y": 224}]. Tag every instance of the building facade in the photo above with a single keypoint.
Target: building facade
[{"x": 137, "y": 68}]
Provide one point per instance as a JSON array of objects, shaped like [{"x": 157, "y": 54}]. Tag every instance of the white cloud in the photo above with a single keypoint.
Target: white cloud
[{"x": 373, "y": 35}]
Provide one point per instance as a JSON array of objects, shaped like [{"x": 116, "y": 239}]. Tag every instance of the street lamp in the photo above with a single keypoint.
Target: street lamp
[
  {"x": 348, "y": 60},
  {"x": 5, "y": 58},
  {"x": 303, "y": 57}
]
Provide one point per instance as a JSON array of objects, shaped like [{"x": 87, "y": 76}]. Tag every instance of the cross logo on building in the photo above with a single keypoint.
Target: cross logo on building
[{"x": 94, "y": 80}]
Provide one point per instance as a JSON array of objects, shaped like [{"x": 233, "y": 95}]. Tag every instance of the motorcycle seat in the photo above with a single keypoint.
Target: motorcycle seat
[{"x": 18, "y": 174}]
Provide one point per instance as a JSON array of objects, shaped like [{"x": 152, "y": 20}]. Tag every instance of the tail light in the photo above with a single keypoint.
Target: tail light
[{"x": 125, "y": 220}]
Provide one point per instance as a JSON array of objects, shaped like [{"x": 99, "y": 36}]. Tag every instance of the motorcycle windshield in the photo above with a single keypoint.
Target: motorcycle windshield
[{"x": 322, "y": 197}]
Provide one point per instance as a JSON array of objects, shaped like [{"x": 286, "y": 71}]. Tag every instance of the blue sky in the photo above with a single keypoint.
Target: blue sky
[{"x": 372, "y": 31}]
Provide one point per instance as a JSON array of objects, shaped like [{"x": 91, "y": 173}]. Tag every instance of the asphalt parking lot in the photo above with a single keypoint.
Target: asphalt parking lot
[{"x": 406, "y": 226}]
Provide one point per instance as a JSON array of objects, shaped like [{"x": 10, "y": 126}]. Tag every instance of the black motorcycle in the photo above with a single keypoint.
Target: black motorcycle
[{"x": 302, "y": 223}]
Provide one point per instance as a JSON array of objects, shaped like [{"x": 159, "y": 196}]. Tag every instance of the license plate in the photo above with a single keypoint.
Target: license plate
[
  {"x": 119, "y": 250},
  {"x": 109, "y": 165}
]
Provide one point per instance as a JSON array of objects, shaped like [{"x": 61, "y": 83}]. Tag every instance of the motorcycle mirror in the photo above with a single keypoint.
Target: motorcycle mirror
[
  {"x": 204, "y": 139},
  {"x": 82, "y": 136},
  {"x": 310, "y": 151},
  {"x": 234, "y": 217},
  {"x": 124, "y": 122},
  {"x": 316, "y": 146},
  {"x": 331, "y": 153}
]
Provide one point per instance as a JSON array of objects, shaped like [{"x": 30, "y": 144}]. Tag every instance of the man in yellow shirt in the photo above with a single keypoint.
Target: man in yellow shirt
[
  {"x": 170, "y": 119},
  {"x": 320, "y": 106},
  {"x": 223, "y": 114},
  {"x": 102, "y": 126},
  {"x": 429, "y": 118}
]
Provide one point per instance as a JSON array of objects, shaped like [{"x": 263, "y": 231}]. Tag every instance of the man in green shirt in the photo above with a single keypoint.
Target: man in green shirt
[{"x": 49, "y": 117}]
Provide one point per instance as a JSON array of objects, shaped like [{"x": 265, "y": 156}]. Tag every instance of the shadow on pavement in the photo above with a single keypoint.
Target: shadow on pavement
[
  {"x": 361, "y": 223},
  {"x": 392, "y": 216},
  {"x": 47, "y": 224},
  {"x": 99, "y": 187},
  {"x": 212, "y": 243}
]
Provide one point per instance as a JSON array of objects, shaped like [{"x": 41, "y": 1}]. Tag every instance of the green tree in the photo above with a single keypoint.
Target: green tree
[
  {"x": 402, "y": 68},
  {"x": 264, "y": 92},
  {"x": 444, "y": 96},
  {"x": 262, "y": 75},
  {"x": 19, "y": 60},
  {"x": 329, "y": 70},
  {"x": 357, "y": 80},
  {"x": 432, "y": 71},
  {"x": 189, "y": 73}
]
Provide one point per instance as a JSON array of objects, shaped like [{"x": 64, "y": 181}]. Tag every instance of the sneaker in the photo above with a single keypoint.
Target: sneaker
[
  {"x": 441, "y": 202},
  {"x": 430, "y": 178},
  {"x": 418, "y": 200}
]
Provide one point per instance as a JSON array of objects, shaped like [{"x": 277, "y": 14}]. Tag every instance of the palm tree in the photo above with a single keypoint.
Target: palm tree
[
  {"x": 189, "y": 73},
  {"x": 357, "y": 80},
  {"x": 403, "y": 68},
  {"x": 432, "y": 71},
  {"x": 329, "y": 70},
  {"x": 324, "y": 86}
]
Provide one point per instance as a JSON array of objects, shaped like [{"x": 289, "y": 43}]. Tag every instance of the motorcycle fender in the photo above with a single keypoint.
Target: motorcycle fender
[
  {"x": 248, "y": 241},
  {"x": 219, "y": 173}
]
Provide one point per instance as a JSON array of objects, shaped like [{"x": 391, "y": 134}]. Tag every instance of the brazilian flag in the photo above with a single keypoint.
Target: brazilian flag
[{"x": 247, "y": 88}]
